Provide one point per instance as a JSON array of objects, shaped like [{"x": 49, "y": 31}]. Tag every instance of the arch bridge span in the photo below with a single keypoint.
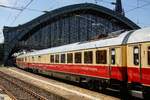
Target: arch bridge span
[{"x": 69, "y": 24}]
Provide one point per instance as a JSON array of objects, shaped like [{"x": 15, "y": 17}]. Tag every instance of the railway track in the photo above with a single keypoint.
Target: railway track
[
  {"x": 55, "y": 90},
  {"x": 20, "y": 90}
]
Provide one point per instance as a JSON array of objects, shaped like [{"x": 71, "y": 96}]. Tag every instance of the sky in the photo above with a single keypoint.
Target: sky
[{"x": 136, "y": 10}]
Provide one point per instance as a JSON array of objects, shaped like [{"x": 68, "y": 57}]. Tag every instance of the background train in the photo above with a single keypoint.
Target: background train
[{"x": 120, "y": 62}]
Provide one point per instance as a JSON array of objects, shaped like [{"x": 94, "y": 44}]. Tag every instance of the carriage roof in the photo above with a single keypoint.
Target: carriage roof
[{"x": 141, "y": 35}]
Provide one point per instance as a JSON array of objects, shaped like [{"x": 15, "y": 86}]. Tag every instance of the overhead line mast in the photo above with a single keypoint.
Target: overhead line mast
[{"x": 119, "y": 8}]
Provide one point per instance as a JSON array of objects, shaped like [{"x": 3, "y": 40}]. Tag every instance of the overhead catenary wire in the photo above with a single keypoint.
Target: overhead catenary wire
[
  {"x": 22, "y": 11},
  {"x": 138, "y": 7},
  {"x": 9, "y": 7},
  {"x": 15, "y": 3},
  {"x": 103, "y": 1}
]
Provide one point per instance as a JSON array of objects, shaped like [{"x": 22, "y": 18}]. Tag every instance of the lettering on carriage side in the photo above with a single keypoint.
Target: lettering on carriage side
[{"x": 89, "y": 69}]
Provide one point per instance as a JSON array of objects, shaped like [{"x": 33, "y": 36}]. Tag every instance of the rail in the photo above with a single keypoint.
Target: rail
[{"x": 18, "y": 89}]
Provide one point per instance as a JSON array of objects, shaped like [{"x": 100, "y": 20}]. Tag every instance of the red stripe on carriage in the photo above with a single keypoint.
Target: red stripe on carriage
[{"x": 117, "y": 72}]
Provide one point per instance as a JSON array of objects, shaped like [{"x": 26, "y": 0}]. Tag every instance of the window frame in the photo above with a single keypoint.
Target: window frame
[
  {"x": 86, "y": 61},
  {"x": 39, "y": 58},
  {"x": 64, "y": 60},
  {"x": 98, "y": 59},
  {"x": 25, "y": 59},
  {"x": 75, "y": 60},
  {"x": 69, "y": 60},
  {"x": 113, "y": 56},
  {"x": 52, "y": 61},
  {"x": 148, "y": 55},
  {"x": 57, "y": 59},
  {"x": 135, "y": 54},
  {"x": 33, "y": 58}
]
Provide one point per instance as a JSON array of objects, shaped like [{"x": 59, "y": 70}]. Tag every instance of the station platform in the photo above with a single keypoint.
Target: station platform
[{"x": 64, "y": 90}]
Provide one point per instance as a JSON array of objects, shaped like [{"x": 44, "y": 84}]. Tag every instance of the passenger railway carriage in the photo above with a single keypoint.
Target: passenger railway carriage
[{"x": 103, "y": 63}]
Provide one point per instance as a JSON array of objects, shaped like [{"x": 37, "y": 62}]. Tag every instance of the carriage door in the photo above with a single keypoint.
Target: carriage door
[
  {"x": 134, "y": 63},
  {"x": 115, "y": 61},
  {"x": 137, "y": 60},
  {"x": 118, "y": 63},
  {"x": 112, "y": 60}
]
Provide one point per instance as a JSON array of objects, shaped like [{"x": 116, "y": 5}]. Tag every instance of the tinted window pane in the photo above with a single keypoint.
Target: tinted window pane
[
  {"x": 39, "y": 58},
  {"x": 113, "y": 56},
  {"x": 69, "y": 58},
  {"x": 52, "y": 58},
  {"x": 56, "y": 58},
  {"x": 101, "y": 57},
  {"x": 136, "y": 55},
  {"x": 78, "y": 57},
  {"x": 32, "y": 58},
  {"x": 88, "y": 57},
  {"x": 148, "y": 55},
  {"x": 63, "y": 57}
]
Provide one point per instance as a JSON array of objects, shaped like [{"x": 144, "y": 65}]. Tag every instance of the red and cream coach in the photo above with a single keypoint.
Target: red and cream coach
[{"x": 102, "y": 63}]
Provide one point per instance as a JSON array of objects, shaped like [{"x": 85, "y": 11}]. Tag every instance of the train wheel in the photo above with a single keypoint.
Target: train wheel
[
  {"x": 93, "y": 85},
  {"x": 83, "y": 82},
  {"x": 103, "y": 85},
  {"x": 146, "y": 93},
  {"x": 90, "y": 84},
  {"x": 99, "y": 85},
  {"x": 124, "y": 91}
]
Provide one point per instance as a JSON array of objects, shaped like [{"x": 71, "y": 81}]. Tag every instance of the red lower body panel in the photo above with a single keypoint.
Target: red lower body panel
[
  {"x": 140, "y": 76},
  {"x": 134, "y": 74},
  {"x": 89, "y": 70},
  {"x": 146, "y": 76},
  {"x": 86, "y": 70},
  {"x": 115, "y": 72},
  {"x": 119, "y": 73}
]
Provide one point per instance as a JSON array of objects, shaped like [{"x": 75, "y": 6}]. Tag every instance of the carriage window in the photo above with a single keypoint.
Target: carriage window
[
  {"x": 88, "y": 57},
  {"x": 113, "y": 56},
  {"x": 149, "y": 55},
  {"x": 136, "y": 55},
  {"x": 63, "y": 58},
  {"x": 101, "y": 57},
  {"x": 25, "y": 59},
  {"x": 69, "y": 58},
  {"x": 56, "y": 58},
  {"x": 32, "y": 58},
  {"x": 52, "y": 58},
  {"x": 29, "y": 58},
  {"x": 39, "y": 58},
  {"x": 78, "y": 57}
]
